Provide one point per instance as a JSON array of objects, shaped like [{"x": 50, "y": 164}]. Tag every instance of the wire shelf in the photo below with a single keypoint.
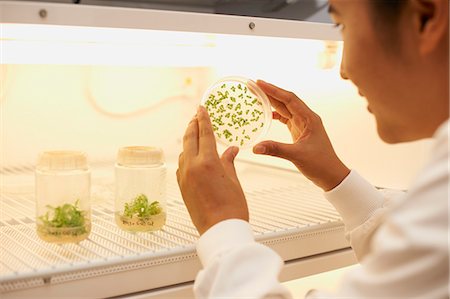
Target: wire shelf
[{"x": 279, "y": 203}]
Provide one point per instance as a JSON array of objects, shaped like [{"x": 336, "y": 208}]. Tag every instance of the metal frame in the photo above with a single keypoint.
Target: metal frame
[{"x": 132, "y": 18}]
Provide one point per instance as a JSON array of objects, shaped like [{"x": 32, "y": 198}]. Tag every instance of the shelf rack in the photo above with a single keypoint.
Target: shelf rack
[{"x": 287, "y": 213}]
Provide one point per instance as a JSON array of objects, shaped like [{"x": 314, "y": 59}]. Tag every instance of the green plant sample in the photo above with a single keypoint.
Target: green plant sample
[
  {"x": 65, "y": 216},
  {"x": 232, "y": 109},
  {"x": 141, "y": 208}
]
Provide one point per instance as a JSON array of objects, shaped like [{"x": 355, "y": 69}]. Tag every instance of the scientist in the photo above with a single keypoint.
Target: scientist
[{"x": 397, "y": 53}]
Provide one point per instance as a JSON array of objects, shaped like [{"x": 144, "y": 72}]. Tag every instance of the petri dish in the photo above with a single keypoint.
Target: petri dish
[{"x": 239, "y": 110}]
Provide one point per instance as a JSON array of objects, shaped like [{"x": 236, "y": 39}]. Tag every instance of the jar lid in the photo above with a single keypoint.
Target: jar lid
[
  {"x": 140, "y": 156},
  {"x": 62, "y": 160}
]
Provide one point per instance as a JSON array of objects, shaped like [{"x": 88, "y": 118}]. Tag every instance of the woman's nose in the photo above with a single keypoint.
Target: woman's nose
[
  {"x": 342, "y": 70},
  {"x": 343, "y": 73}
]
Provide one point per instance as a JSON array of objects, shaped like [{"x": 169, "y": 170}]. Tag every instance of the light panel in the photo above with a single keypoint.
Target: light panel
[{"x": 75, "y": 45}]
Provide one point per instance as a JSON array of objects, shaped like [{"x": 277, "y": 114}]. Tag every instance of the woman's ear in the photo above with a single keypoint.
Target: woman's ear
[{"x": 431, "y": 23}]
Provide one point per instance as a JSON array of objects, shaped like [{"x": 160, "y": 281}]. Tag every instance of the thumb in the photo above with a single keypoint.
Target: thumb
[
  {"x": 228, "y": 160},
  {"x": 276, "y": 149}
]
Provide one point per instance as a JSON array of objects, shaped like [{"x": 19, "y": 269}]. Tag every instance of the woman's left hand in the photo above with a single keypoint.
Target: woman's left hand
[{"x": 209, "y": 184}]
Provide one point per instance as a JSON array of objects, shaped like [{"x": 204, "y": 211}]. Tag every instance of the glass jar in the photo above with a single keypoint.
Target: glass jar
[
  {"x": 63, "y": 190},
  {"x": 140, "y": 203}
]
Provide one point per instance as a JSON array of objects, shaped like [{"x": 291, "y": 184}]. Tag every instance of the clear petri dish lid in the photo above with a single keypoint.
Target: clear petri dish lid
[{"x": 239, "y": 110}]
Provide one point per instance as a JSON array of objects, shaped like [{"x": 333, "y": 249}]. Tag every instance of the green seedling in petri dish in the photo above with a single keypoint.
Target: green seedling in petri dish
[
  {"x": 229, "y": 107},
  {"x": 141, "y": 208},
  {"x": 65, "y": 216}
]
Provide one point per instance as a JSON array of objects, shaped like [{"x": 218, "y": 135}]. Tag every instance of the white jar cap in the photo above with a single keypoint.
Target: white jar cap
[
  {"x": 140, "y": 156},
  {"x": 62, "y": 160}
]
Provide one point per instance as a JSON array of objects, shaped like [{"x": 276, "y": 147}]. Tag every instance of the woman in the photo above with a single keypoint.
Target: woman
[{"x": 397, "y": 53}]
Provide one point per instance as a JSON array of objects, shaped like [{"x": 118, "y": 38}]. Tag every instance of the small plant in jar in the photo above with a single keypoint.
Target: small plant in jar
[
  {"x": 63, "y": 206},
  {"x": 140, "y": 215},
  {"x": 140, "y": 174},
  {"x": 66, "y": 221}
]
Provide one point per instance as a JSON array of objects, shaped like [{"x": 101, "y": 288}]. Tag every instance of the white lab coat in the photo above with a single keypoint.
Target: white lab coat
[{"x": 401, "y": 242}]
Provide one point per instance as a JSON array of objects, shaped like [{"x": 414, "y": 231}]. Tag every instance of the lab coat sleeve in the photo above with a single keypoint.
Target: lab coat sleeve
[
  {"x": 409, "y": 253},
  {"x": 235, "y": 266},
  {"x": 362, "y": 208}
]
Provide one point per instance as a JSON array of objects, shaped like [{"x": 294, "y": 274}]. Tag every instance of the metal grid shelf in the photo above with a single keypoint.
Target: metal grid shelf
[{"x": 283, "y": 208}]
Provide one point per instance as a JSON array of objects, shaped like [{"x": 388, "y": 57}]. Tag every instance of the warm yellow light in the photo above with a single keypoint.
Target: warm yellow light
[
  {"x": 84, "y": 34},
  {"x": 51, "y": 44}
]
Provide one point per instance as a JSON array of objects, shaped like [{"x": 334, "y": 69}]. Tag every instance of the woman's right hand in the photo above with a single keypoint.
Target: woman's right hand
[{"x": 311, "y": 150}]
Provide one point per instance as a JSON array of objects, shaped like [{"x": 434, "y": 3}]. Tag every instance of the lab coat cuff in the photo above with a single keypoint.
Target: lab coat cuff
[
  {"x": 223, "y": 237},
  {"x": 355, "y": 199}
]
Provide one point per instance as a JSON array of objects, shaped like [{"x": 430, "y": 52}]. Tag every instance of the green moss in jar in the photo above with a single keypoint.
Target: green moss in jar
[
  {"x": 63, "y": 224},
  {"x": 141, "y": 215}
]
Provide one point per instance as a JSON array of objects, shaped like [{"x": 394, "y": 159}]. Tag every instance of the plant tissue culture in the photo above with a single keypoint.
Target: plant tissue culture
[
  {"x": 64, "y": 224},
  {"x": 141, "y": 215},
  {"x": 240, "y": 113}
]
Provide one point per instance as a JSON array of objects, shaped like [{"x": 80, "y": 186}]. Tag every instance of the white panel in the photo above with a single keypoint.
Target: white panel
[{"x": 99, "y": 16}]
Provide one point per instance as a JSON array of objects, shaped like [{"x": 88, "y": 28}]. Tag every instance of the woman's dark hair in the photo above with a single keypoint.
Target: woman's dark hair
[
  {"x": 387, "y": 11},
  {"x": 385, "y": 16}
]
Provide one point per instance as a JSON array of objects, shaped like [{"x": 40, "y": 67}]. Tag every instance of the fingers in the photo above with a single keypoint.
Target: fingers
[
  {"x": 228, "y": 156},
  {"x": 276, "y": 115},
  {"x": 228, "y": 161},
  {"x": 190, "y": 139},
  {"x": 180, "y": 160},
  {"x": 279, "y": 107},
  {"x": 276, "y": 149},
  {"x": 207, "y": 141},
  {"x": 180, "y": 167},
  {"x": 292, "y": 103},
  {"x": 178, "y": 176}
]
